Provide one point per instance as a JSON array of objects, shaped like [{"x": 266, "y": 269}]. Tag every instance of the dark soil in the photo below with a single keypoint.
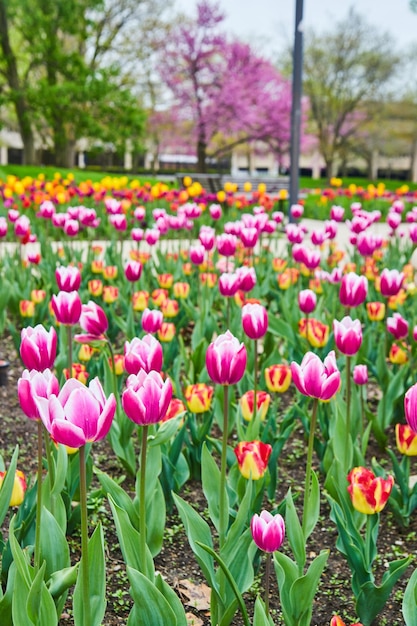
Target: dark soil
[{"x": 176, "y": 561}]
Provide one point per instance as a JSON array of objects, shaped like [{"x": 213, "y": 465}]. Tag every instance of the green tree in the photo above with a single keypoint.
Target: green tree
[
  {"x": 67, "y": 74},
  {"x": 344, "y": 70}
]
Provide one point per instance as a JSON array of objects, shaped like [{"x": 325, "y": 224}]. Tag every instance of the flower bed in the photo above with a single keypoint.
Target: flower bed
[{"x": 220, "y": 372}]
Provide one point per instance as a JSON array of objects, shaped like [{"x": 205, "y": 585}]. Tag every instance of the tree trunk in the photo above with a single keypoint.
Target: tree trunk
[
  {"x": 201, "y": 156},
  {"x": 18, "y": 96}
]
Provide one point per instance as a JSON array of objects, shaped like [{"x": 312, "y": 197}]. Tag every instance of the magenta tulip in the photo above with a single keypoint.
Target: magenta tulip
[
  {"x": 33, "y": 383},
  {"x": 268, "y": 531},
  {"x": 247, "y": 278},
  {"x": 226, "y": 244},
  {"x": 228, "y": 284},
  {"x": 145, "y": 354},
  {"x": 68, "y": 278},
  {"x": 133, "y": 271},
  {"x": 146, "y": 397},
  {"x": 353, "y": 289},
  {"x": 38, "y": 347},
  {"x": 79, "y": 414},
  {"x": 207, "y": 237},
  {"x": 397, "y": 326},
  {"x": 67, "y": 307},
  {"x": 391, "y": 282},
  {"x": 410, "y": 407},
  {"x": 152, "y": 320},
  {"x": 360, "y": 374},
  {"x": 249, "y": 237},
  {"x": 316, "y": 378},
  {"x": 226, "y": 359},
  {"x": 93, "y": 319},
  {"x": 307, "y": 301},
  {"x": 347, "y": 335},
  {"x": 254, "y": 320},
  {"x": 197, "y": 254}
]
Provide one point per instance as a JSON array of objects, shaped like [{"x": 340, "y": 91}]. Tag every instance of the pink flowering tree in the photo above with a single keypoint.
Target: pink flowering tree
[{"x": 229, "y": 93}]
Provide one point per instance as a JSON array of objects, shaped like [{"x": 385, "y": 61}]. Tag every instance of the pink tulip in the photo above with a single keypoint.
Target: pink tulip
[
  {"x": 133, "y": 271},
  {"x": 68, "y": 278},
  {"x": 353, "y": 290},
  {"x": 197, "y": 254},
  {"x": 146, "y": 397},
  {"x": 139, "y": 213},
  {"x": 22, "y": 226},
  {"x": 410, "y": 407},
  {"x": 152, "y": 320},
  {"x": 254, "y": 320},
  {"x": 145, "y": 354},
  {"x": 397, "y": 326},
  {"x": 360, "y": 374},
  {"x": 137, "y": 234},
  {"x": 268, "y": 531},
  {"x": 226, "y": 359},
  {"x": 207, "y": 237},
  {"x": 215, "y": 211},
  {"x": 228, "y": 284},
  {"x": 297, "y": 211},
  {"x": 79, "y": 414},
  {"x": 67, "y": 307},
  {"x": 46, "y": 209},
  {"x": 294, "y": 233},
  {"x": 71, "y": 228},
  {"x": 316, "y": 378},
  {"x": 347, "y": 335},
  {"x": 38, "y": 347},
  {"x": 247, "y": 278},
  {"x": 249, "y": 237},
  {"x": 118, "y": 221},
  {"x": 226, "y": 244},
  {"x": 337, "y": 213},
  {"x": 307, "y": 301},
  {"x": 3, "y": 226},
  {"x": 393, "y": 220},
  {"x": 152, "y": 236},
  {"x": 391, "y": 282},
  {"x": 93, "y": 319},
  {"x": 367, "y": 243},
  {"x": 33, "y": 383}
]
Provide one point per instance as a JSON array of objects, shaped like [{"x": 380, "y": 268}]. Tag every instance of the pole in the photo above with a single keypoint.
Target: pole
[{"x": 296, "y": 103}]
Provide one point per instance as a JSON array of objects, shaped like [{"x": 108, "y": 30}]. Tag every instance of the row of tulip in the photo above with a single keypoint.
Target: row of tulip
[{"x": 176, "y": 434}]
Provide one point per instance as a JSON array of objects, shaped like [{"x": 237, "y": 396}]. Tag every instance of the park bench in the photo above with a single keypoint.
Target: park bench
[{"x": 216, "y": 182}]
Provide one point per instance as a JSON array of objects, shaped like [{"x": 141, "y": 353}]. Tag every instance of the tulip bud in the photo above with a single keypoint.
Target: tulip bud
[
  {"x": 368, "y": 493},
  {"x": 19, "y": 487},
  {"x": 268, "y": 531},
  {"x": 252, "y": 458}
]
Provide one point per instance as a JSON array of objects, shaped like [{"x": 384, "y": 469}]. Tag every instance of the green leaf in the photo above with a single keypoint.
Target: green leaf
[
  {"x": 410, "y": 601},
  {"x": 260, "y": 617},
  {"x": 155, "y": 520},
  {"x": 197, "y": 531},
  {"x": 313, "y": 506},
  {"x": 7, "y": 598},
  {"x": 372, "y": 598},
  {"x": 54, "y": 548},
  {"x": 118, "y": 496},
  {"x": 7, "y": 486},
  {"x": 294, "y": 532},
  {"x": 304, "y": 589},
  {"x": 97, "y": 583},
  {"x": 129, "y": 539},
  {"x": 40, "y": 604},
  {"x": 210, "y": 477},
  {"x": 172, "y": 599},
  {"x": 151, "y": 607}
]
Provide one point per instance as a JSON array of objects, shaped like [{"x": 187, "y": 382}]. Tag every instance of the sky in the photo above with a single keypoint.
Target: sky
[{"x": 270, "y": 23}]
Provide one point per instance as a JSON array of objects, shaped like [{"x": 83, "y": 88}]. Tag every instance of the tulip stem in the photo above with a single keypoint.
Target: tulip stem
[
  {"x": 69, "y": 340},
  {"x": 223, "y": 513},
  {"x": 255, "y": 375},
  {"x": 266, "y": 583},
  {"x": 51, "y": 467},
  {"x": 347, "y": 408},
  {"x": 39, "y": 499},
  {"x": 142, "y": 498},
  {"x": 84, "y": 537},
  {"x": 113, "y": 369},
  {"x": 309, "y": 463}
]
